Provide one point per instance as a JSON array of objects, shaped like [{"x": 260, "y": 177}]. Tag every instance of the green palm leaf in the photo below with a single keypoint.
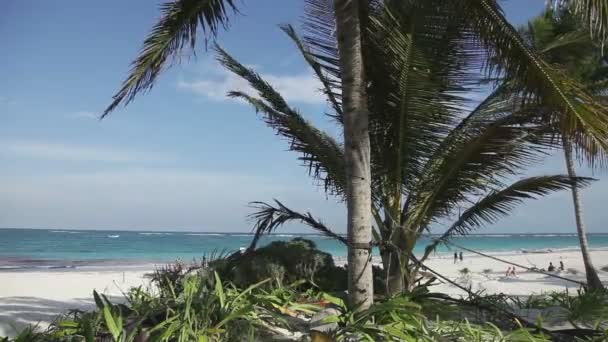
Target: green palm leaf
[
  {"x": 500, "y": 203},
  {"x": 593, "y": 12},
  {"x": 418, "y": 73},
  {"x": 176, "y": 29},
  {"x": 268, "y": 218},
  {"x": 331, "y": 85},
  {"x": 572, "y": 108},
  {"x": 320, "y": 152},
  {"x": 481, "y": 154}
]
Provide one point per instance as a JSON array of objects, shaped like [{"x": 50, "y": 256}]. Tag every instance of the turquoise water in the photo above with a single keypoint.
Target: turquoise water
[{"x": 23, "y": 248}]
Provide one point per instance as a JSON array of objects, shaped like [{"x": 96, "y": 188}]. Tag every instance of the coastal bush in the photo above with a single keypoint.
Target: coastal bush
[
  {"x": 588, "y": 308},
  {"x": 286, "y": 262},
  {"x": 219, "y": 311},
  {"x": 464, "y": 271},
  {"x": 399, "y": 318}
]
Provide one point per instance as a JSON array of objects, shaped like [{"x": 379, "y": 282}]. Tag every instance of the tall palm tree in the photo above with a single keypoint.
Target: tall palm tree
[
  {"x": 178, "y": 27},
  {"x": 427, "y": 160},
  {"x": 565, "y": 42},
  {"x": 356, "y": 151},
  {"x": 478, "y": 28}
]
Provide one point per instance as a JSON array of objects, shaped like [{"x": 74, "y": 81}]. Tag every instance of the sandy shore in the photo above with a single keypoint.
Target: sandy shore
[{"x": 28, "y": 297}]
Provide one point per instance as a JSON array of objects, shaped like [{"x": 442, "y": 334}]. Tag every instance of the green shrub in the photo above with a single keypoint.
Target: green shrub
[{"x": 286, "y": 262}]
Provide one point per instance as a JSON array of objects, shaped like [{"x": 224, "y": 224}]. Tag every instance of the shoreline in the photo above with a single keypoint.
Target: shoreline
[
  {"x": 12, "y": 264},
  {"x": 38, "y": 296}
]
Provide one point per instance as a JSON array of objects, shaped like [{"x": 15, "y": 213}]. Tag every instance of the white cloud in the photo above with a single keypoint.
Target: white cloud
[
  {"x": 166, "y": 199},
  {"x": 217, "y": 82},
  {"x": 66, "y": 152},
  {"x": 84, "y": 114}
]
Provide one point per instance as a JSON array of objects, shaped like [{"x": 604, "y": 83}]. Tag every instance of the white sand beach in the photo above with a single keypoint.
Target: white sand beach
[{"x": 29, "y": 297}]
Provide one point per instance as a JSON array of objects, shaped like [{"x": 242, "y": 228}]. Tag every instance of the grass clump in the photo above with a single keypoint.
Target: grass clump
[{"x": 573, "y": 271}]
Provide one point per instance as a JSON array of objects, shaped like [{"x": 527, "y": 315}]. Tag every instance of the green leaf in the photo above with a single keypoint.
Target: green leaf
[
  {"x": 98, "y": 301},
  {"x": 219, "y": 290},
  {"x": 180, "y": 20},
  {"x": 113, "y": 326}
]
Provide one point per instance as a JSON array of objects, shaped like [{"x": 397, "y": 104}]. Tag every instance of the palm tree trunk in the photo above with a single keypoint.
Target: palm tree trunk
[
  {"x": 593, "y": 281},
  {"x": 357, "y": 153}
]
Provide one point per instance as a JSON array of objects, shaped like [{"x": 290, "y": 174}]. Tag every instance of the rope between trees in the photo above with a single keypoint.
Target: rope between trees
[{"x": 515, "y": 264}]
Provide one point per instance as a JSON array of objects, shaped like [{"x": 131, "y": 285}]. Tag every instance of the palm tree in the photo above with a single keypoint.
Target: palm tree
[
  {"x": 356, "y": 152},
  {"x": 177, "y": 28},
  {"x": 479, "y": 34},
  {"x": 427, "y": 161},
  {"x": 563, "y": 41}
]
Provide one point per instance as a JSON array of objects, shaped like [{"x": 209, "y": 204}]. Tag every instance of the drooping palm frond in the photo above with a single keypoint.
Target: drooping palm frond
[
  {"x": 268, "y": 218},
  {"x": 593, "y": 12},
  {"x": 564, "y": 42},
  {"x": 321, "y": 153},
  {"x": 331, "y": 86},
  {"x": 572, "y": 108},
  {"x": 500, "y": 203},
  {"x": 177, "y": 28},
  {"x": 480, "y": 157},
  {"x": 319, "y": 24}
]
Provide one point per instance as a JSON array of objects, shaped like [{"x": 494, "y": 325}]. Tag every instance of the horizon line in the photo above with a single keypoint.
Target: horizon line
[{"x": 275, "y": 233}]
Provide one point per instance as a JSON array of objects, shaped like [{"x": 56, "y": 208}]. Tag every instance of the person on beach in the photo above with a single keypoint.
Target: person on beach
[
  {"x": 561, "y": 265},
  {"x": 455, "y": 257},
  {"x": 551, "y": 268},
  {"x": 460, "y": 256},
  {"x": 508, "y": 272},
  {"x": 513, "y": 272}
]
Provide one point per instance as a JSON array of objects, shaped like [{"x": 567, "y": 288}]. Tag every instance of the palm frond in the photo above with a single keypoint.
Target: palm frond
[
  {"x": 593, "y": 12},
  {"x": 319, "y": 25},
  {"x": 176, "y": 29},
  {"x": 481, "y": 157},
  {"x": 320, "y": 152},
  {"x": 268, "y": 218},
  {"x": 418, "y": 73},
  {"x": 498, "y": 204},
  {"x": 331, "y": 85},
  {"x": 564, "y": 42},
  {"x": 572, "y": 108}
]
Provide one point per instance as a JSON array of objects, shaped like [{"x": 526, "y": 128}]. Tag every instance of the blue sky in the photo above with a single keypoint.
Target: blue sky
[{"x": 182, "y": 157}]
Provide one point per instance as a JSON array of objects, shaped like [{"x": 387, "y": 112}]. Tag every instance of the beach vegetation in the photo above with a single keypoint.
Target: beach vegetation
[
  {"x": 219, "y": 311},
  {"x": 208, "y": 308},
  {"x": 426, "y": 167},
  {"x": 426, "y": 162},
  {"x": 431, "y": 158}
]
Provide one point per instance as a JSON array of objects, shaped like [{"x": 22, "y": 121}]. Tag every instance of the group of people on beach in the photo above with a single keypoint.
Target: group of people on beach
[
  {"x": 510, "y": 272},
  {"x": 456, "y": 256},
  {"x": 551, "y": 268}
]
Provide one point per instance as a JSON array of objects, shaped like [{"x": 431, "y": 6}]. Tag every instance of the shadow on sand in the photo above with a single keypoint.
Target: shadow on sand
[{"x": 16, "y": 313}]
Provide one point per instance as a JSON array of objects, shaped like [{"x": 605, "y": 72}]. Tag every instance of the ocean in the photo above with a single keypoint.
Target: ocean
[{"x": 37, "y": 248}]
